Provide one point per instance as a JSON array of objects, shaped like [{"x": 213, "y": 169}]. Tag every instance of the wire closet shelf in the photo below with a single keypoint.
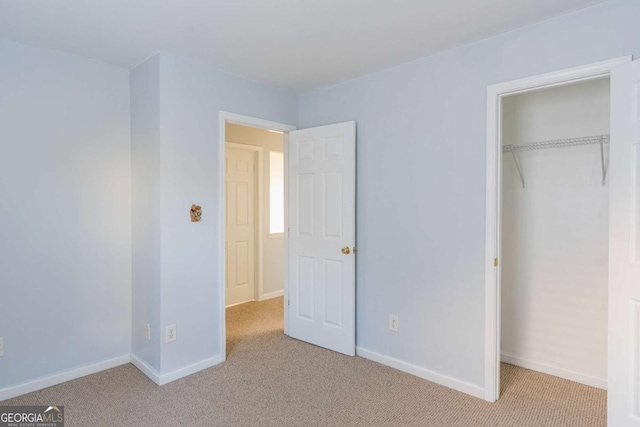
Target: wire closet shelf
[{"x": 559, "y": 143}]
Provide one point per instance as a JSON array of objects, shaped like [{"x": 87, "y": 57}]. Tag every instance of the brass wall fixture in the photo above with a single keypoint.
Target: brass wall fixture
[{"x": 196, "y": 213}]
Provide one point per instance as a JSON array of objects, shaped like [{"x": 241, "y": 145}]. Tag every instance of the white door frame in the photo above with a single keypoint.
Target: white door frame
[
  {"x": 224, "y": 118},
  {"x": 258, "y": 288},
  {"x": 493, "y": 253}
]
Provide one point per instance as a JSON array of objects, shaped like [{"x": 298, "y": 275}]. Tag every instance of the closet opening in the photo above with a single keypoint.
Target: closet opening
[
  {"x": 547, "y": 246},
  {"x": 555, "y": 232}
]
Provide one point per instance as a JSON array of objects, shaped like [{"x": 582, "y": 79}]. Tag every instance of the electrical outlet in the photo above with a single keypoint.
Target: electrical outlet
[
  {"x": 147, "y": 331},
  {"x": 393, "y": 322},
  {"x": 171, "y": 334},
  {"x": 1, "y": 346}
]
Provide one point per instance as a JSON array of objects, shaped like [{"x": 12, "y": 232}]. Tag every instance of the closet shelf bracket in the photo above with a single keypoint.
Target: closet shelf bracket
[{"x": 560, "y": 143}]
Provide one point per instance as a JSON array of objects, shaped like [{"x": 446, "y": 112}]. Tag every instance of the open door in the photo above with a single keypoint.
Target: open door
[
  {"x": 322, "y": 231},
  {"x": 624, "y": 249},
  {"x": 240, "y": 226}
]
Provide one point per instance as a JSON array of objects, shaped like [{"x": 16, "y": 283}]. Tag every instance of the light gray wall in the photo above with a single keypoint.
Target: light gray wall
[
  {"x": 65, "y": 212},
  {"x": 191, "y": 96},
  {"x": 555, "y": 232},
  {"x": 421, "y": 179},
  {"x": 145, "y": 152}
]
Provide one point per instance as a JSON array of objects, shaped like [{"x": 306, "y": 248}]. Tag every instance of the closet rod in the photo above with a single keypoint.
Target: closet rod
[{"x": 559, "y": 143}]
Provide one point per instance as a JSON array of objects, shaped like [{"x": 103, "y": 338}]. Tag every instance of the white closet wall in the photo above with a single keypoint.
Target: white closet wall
[{"x": 555, "y": 235}]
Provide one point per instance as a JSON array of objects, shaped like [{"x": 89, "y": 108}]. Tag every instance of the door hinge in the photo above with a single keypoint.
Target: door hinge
[
  {"x": 288, "y": 302},
  {"x": 495, "y": 262}
]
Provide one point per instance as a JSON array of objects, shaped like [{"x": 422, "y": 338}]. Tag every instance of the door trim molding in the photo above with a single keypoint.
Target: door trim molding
[
  {"x": 224, "y": 118},
  {"x": 258, "y": 274},
  {"x": 493, "y": 225}
]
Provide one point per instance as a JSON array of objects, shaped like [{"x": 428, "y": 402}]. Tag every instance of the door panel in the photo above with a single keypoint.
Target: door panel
[
  {"x": 322, "y": 222},
  {"x": 306, "y": 208},
  {"x": 332, "y": 190},
  {"x": 240, "y": 225},
  {"x": 306, "y": 297},
  {"x": 624, "y": 264}
]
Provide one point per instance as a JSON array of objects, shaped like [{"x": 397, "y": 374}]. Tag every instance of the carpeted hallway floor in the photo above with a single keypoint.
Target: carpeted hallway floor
[{"x": 272, "y": 380}]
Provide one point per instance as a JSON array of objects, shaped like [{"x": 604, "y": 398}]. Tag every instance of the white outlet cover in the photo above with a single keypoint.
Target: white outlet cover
[
  {"x": 1, "y": 346},
  {"x": 171, "y": 333},
  {"x": 147, "y": 331},
  {"x": 393, "y": 322}
]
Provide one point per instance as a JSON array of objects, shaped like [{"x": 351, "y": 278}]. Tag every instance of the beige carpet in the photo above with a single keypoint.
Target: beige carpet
[{"x": 272, "y": 380}]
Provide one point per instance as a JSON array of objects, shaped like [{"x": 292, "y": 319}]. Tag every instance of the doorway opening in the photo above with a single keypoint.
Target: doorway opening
[
  {"x": 318, "y": 194},
  {"x": 254, "y": 208},
  {"x": 547, "y": 230}
]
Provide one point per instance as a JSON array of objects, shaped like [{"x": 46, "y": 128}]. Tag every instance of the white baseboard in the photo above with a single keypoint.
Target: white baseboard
[
  {"x": 162, "y": 379},
  {"x": 554, "y": 370},
  {"x": 145, "y": 368},
  {"x": 260, "y": 298},
  {"x": 188, "y": 370},
  {"x": 421, "y": 372},
  {"x": 61, "y": 377},
  {"x": 270, "y": 295},
  {"x": 72, "y": 374},
  {"x": 239, "y": 303}
]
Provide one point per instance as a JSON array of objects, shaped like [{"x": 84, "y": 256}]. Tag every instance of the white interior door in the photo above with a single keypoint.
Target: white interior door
[
  {"x": 322, "y": 191},
  {"x": 624, "y": 249},
  {"x": 240, "y": 225}
]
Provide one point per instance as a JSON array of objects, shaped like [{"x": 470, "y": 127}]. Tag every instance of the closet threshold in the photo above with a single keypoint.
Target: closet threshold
[{"x": 559, "y": 143}]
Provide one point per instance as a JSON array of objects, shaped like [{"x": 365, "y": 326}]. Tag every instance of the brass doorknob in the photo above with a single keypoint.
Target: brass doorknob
[{"x": 346, "y": 250}]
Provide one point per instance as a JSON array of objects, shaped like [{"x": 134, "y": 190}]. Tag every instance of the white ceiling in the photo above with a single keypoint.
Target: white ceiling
[{"x": 294, "y": 44}]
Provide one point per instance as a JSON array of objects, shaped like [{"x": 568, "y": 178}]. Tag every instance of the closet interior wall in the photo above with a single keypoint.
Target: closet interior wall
[{"x": 555, "y": 235}]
